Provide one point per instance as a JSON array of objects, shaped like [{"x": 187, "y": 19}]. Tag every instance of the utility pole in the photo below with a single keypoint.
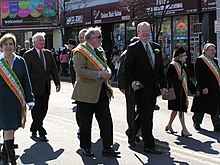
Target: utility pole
[{"x": 218, "y": 32}]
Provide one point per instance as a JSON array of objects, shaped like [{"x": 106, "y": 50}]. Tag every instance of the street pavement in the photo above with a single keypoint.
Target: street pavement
[{"x": 63, "y": 146}]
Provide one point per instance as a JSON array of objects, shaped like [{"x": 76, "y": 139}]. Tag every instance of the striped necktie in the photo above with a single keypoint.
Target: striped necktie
[
  {"x": 149, "y": 56},
  {"x": 42, "y": 59}
]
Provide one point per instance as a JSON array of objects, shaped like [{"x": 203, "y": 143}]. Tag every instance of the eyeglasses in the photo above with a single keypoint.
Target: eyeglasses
[
  {"x": 212, "y": 50},
  {"x": 99, "y": 37}
]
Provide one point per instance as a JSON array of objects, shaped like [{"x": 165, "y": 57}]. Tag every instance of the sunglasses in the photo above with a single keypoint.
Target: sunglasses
[{"x": 99, "y": 37}]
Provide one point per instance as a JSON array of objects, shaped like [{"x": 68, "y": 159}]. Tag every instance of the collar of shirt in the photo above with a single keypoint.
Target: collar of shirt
[
  {"x": 38, "y": 51},
  {"x": 91, "y": 46}
]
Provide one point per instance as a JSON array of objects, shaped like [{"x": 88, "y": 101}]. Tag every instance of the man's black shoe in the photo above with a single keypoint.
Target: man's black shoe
[
  {"x": 197, "y": 127},
  {"x": 153, "y": 150},
  {"x": 43, "y": 138},
  {"x": 110, "y": 152},
  {"x": 88, "y": 152},
  {"x": 217, "y": 129},
  {"x": 34, "y": 135}
]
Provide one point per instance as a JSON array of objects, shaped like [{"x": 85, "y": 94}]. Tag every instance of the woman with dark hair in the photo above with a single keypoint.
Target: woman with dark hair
[
  {"x": 177, "y": 76},
  {"x": 15, "y": 93}
]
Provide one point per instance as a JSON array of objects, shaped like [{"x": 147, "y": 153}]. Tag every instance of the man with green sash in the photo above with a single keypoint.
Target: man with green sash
[
  {"x": 92, "y": 92},
  {"x": 208, "y": 81}
]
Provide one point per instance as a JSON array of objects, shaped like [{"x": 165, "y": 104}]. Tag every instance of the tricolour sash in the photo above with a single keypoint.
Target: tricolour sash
[
  {"x": 14, "y": 84},
  {"x": 97, "y": 62},
  {"x": 212, "y": 66},
  {"x": 181, "y": 72}
]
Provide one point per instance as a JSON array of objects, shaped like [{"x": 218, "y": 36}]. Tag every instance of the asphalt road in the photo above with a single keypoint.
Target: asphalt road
[{"x": 63, "y": 146}]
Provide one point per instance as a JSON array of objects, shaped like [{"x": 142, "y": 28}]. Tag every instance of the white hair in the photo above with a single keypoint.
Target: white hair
[
  {"x": 206, "y": 46},
  {"x": 37, "y": 35}
]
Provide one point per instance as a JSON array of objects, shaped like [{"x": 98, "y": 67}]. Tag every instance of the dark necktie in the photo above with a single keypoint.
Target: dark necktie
[
  {"x": 42, "y": 58},
  {"x": 149, "y": 56},
  {"x": 99, "y": 54}
]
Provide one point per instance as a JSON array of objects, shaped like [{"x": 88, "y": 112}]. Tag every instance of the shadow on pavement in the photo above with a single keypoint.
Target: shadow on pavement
[
  {"x": 99, "y": 159},
  {"x": 156, "y": 159},
  {"x": 196, "y": 145},
  {"x": 39, "y": 153},
  {"x": 214, "y": 135}
]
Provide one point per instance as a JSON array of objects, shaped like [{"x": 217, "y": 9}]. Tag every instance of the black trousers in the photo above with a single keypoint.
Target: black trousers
[
  {"x": 133, "y": 118},
  {"x": 198, "y": 117},
  {"x": 102, "y": 113},
  {"x": 146, "y": 109},
  {"x": 38, "y": 113}
]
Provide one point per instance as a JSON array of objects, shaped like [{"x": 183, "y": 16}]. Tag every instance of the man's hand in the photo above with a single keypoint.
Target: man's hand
[
  {"x": 163, "y": 91},
  {"x": 105, "y": 75},
  {"x": 134, "y": 86},
  {"x": 57, "y": 88}
]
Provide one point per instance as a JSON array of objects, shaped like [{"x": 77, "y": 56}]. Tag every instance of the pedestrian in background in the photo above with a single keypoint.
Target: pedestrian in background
[
  {"x": 71, "y": 45},
  {"x": 42, "y": 68},
  {"x": 208, "y": 81},
  {"x": 26, "y": 47},
  {"x": 15, "y": 93},
  {"x": 92, "y": 92},
  {"x": 178, "y": 78},
  {"x": 64, "y": 63},
  {"x": 144, "y": 73}
]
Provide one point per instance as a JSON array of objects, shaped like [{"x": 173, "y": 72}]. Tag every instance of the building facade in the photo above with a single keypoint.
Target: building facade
[{"x": 188, "y": 23}]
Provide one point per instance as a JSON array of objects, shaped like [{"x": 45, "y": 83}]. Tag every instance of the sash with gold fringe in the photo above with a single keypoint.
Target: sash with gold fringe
[
  {"x": 14, "y": 84},
  {"x": 212, "y": 66},
  {"x": 184, "y": 81},
  {"x": 97, "y": 62}
]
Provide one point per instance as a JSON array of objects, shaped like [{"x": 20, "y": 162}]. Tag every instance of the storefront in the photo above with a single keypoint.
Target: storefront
[
  {"x": 181, "y": 26},
  {"x": 25, "y": 18}
]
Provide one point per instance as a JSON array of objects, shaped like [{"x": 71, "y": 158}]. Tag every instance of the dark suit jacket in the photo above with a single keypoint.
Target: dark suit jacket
[
  {"x": 22, "y": 51},
  {"x": 137, "y": 67},
  {"x": 207, "y": 103},
  {"x": 40, "y": 78}
]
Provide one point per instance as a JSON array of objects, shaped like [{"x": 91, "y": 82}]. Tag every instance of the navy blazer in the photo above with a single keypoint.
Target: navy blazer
[{"x": 38, "y": 75}]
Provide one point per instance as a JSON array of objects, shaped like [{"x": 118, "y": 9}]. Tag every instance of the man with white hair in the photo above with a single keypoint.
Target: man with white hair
[
  {"x": 92, "y": 92},
  {"x": 208, "y": 83},
  {"x": 42, "y": 68}
]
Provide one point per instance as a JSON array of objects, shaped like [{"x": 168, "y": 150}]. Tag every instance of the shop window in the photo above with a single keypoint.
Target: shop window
[
  {"x": 180, "y": 31},
  {"x": 194, "y": 37},
  {"x": 119, "y": 37}
]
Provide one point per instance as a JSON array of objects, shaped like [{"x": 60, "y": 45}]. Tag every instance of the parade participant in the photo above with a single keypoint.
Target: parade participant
[
  {"x": 144, "y": 72},
  {"x": 178, "y": 78},
  {"x": 42, "y": 68},
  {"x": 15, "y": 93},
  {"x": 208, "y": 81},
  {"x": 92, "y": 92}
]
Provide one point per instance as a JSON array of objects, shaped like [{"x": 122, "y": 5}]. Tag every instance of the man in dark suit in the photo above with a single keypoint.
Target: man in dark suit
[
  {"x": 91, "y": 92},
  {"x": 71, "y": 45},
  {"x": 42, "y": 67},
  {"x": 208, "y": 80},
  {"x": 26, "y": 47},
  {"x": 144, "y": 73}
]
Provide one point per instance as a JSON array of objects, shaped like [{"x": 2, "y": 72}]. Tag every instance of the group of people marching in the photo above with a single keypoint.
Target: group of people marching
[{"x": 26, "y": 80}]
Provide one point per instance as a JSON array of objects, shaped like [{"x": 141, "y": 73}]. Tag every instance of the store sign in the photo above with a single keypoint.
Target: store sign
[
  {"x": 208, "y": 5},
  {"x": 109, "y": 13},
  {"x": 29, "y": 13},
  {"x": 173, "y": 7}
]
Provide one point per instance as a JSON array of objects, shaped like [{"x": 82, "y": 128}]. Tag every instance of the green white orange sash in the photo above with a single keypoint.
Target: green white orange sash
[
  {"x": 212, "y": 66},
  {"x": 97, "y": 62},
  {"x": 178, "y": 70},
  {"x": 14, "y": 84}
]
